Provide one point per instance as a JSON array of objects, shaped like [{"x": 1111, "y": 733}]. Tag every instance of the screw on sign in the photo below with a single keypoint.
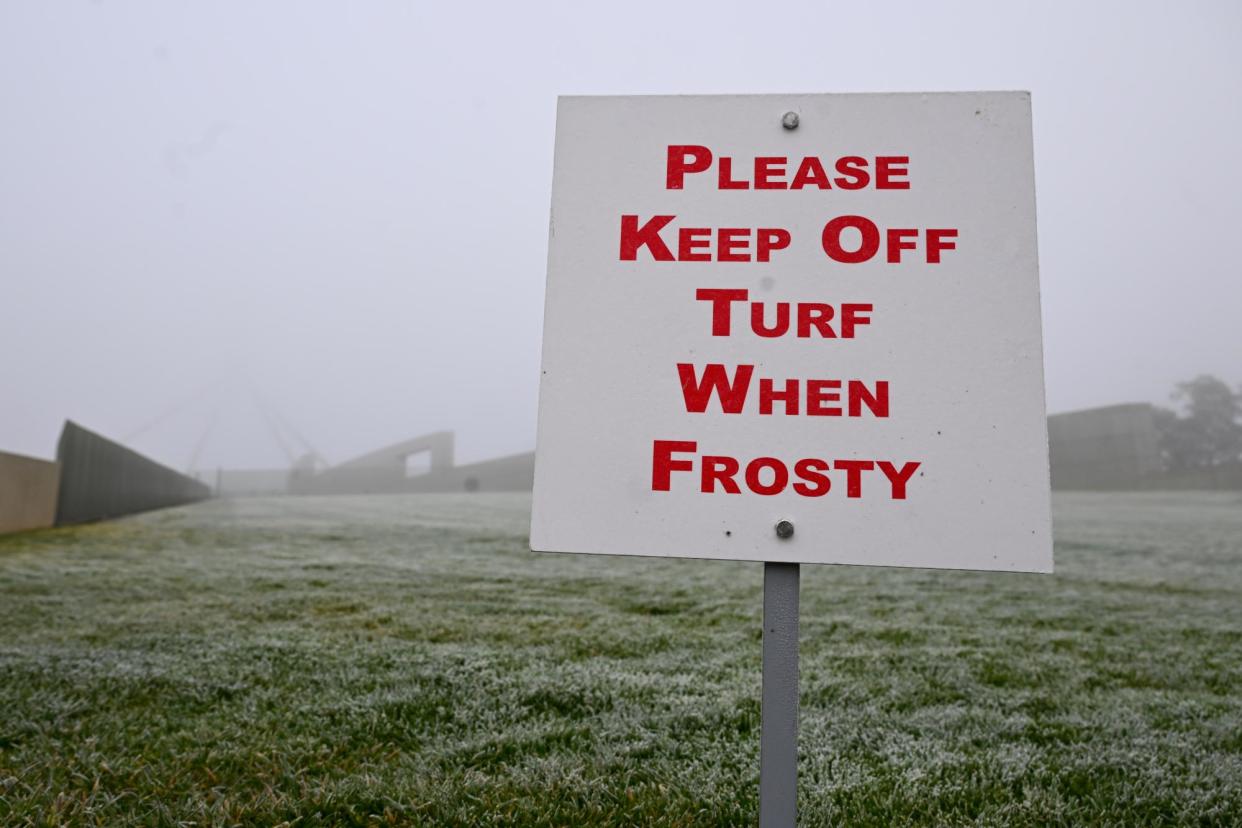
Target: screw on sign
[{"x": 810, "y": 310}]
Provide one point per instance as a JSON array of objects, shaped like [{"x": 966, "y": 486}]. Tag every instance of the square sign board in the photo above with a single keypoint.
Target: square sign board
[{"x": 820, "y": 309}]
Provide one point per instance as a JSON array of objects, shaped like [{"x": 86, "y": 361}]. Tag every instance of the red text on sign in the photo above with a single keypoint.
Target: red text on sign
[
  {"x": 808, "y": 318},
  {"x": 894, "y": 240},
  {"x": 699, "y": 244},
  {"x": 808, "y": 477},
  {"x": 822, "y": 396},
  {"x": 776, "y": 172}
]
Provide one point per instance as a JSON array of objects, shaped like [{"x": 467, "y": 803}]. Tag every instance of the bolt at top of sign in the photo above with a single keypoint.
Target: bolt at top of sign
[{"x": 790, "y": 120}]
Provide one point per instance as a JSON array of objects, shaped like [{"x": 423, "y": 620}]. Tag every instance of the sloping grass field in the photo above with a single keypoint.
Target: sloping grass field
[{"x": 406, "y": 660}]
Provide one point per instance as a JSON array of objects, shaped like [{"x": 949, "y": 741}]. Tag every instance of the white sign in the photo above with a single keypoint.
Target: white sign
[{"x": 820, "y": 309}]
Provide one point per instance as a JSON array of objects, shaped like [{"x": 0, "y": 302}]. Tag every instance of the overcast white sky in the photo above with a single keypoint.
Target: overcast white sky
[{"x": 345, "y": 204}]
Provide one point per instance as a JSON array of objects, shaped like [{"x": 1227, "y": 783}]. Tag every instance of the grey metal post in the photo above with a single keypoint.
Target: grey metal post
[{"x": 778, "y": 740}]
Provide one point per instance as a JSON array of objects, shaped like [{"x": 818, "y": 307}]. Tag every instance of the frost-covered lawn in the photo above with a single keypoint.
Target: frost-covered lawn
[{"x": 405, "y": 660}]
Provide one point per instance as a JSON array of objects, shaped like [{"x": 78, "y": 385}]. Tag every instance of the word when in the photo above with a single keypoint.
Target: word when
[
  {"x": 821, "y": 394},
  {"x": 769, "y": 475}
]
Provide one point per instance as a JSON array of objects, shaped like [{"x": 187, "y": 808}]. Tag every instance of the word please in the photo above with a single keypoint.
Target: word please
[
  {"x": 769, "y": 172},
  {"x": 771, "y": 476}
]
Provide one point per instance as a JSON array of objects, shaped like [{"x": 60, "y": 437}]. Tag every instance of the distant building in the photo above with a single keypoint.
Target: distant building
[
  {"x": 1115, "y": 447},
  {"x": 248, "y": 482},
  {"x": 423, "y": 464}
]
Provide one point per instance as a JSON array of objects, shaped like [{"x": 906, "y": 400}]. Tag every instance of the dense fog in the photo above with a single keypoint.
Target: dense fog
[{"x": 232, "y": 234}]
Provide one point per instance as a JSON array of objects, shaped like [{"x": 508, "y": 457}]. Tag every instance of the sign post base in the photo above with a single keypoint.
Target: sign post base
[{"x": 778, "y": 740}]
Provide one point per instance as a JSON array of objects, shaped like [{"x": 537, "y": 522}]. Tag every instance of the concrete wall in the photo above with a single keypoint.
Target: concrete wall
[
  {"x": 1116, "y": 447},
  {"x": 101, "y": 479},
  {"x": 28, "y": 490}
]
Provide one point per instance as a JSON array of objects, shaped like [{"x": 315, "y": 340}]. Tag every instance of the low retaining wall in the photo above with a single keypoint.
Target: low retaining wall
[
  {"x": 101, "y": 479},
  {"x": 28, "y": 491}
]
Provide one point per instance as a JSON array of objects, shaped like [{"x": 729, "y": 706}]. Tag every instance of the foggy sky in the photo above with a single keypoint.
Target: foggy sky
[{"x": 345, "y": 205}]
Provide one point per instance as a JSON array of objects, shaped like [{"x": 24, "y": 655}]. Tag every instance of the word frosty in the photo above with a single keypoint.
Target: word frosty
[{"x": 808, "y": 476}]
